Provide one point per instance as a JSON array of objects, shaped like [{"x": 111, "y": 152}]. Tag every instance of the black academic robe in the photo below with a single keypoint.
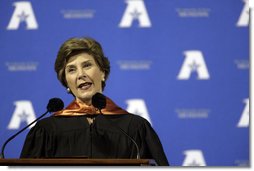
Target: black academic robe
[{"x": 73, "y": 136}]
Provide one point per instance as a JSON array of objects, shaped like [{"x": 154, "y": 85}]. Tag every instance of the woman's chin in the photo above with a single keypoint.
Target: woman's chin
[{"x": 86, "y": 98}]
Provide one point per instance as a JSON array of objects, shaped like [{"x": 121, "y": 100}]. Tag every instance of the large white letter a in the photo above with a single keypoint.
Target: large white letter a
[
  {"x": 23, "y": 112},
  {"x": 135, "y": 10},
  {"x": 23, "y": 13},
  {"x": 194, "y": 62}
]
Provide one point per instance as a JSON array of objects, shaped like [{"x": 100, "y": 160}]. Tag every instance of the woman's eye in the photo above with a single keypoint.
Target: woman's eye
[
  {"x": 71, "y": 70},
  {"x": 87, "y": 65}
]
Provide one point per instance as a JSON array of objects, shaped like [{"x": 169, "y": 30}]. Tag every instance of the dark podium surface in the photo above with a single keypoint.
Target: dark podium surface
[{"x": 76, "y": 162}]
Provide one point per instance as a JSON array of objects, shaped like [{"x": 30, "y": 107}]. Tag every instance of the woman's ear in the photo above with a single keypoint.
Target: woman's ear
[{"x": 103, "y": 77}]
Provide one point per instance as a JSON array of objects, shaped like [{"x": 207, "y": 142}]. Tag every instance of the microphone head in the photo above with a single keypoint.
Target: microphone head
[
  {"x": 55, "y": 104},
  {"x": 99, "y": 101}
]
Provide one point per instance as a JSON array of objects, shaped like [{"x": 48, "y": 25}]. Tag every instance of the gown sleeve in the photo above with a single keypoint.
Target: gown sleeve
[
  {"x": 36, "y": 144},
  {"x": 151, "y": 142}
]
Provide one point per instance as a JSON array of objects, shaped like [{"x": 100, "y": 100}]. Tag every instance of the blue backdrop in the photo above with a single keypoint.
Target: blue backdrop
[{"x": 182, "y": 64}]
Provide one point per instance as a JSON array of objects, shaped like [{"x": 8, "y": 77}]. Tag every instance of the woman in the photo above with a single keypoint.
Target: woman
[{"x": 80, "y": 130}]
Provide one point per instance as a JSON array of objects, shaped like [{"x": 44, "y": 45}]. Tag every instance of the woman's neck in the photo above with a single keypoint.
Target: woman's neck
[{"x": 87, "y": 102}]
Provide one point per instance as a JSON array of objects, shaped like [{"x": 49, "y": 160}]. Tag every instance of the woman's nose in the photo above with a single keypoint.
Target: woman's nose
[{"x": 81, "y": 74}]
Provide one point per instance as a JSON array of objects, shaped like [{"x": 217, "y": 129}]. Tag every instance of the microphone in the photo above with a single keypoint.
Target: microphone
[
  {"x": 54, "y": 104},
  {"x": 99, "y": 101}
]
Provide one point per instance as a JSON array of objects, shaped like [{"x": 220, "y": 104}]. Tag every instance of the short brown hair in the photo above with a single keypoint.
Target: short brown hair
[{"x": 75, "y": 46}]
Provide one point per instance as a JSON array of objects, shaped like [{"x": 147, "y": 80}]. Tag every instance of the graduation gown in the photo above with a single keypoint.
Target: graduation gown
[{"x": 74, "y": 136}]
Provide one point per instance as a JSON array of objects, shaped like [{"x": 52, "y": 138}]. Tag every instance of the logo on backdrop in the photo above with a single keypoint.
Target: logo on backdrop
[
  {"x": 194, "y": 62},
  {"x": 192, "y": 113},
  {"x": 78, "y": 13},
  {"x": 243, "y": 20},
  {"x": 23, "y": 12},
  {"x": 23, "y": 112},
  {"x": 244, "y": 120},
  {"x": 21, "y": 66},
  {"x": 193, "y": 12},
  {"x": 135, "y": 10},
  {"x": 138, "y": 106},
  {"x": 135, "y": 64},
  {"x": 242, "y": 64},
  {"x": 194, "y": 158}
]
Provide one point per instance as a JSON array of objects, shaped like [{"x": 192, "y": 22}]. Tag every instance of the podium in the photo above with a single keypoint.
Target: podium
[{"x": 76, "y": 162}]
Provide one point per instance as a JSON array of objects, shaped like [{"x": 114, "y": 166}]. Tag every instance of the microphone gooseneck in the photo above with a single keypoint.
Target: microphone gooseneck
[
  {"x": 99, "y": 101},
  {"x": 54, "y": 104}
]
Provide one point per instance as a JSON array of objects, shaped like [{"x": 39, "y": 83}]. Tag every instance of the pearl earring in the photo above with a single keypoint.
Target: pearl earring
[{"x": 68, "y": 90}]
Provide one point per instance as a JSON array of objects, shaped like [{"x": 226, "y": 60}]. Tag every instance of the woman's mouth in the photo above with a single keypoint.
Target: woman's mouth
[{"x": 84, "y": 86}]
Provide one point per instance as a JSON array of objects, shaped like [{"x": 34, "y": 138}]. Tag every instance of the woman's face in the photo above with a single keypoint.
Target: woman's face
[{"x": 83, "y": 77}]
